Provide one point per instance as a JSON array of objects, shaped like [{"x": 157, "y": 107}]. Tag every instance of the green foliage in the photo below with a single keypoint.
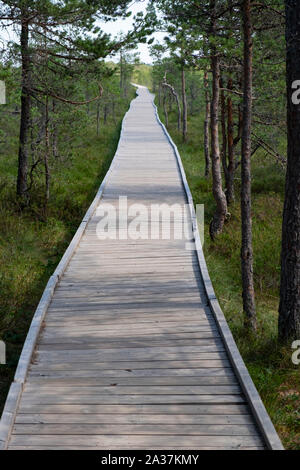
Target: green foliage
[{"x": 142, "y": 75}]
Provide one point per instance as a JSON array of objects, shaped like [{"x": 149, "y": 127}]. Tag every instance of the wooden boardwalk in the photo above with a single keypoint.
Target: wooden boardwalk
[{"x": 133, "y": 352}]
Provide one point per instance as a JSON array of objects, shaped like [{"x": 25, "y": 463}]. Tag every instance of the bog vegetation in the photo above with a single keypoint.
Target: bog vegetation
[{"x": 220, "y": 80}]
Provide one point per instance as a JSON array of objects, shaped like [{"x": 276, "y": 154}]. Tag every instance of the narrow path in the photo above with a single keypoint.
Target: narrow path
[{"x": 130, "y": 355}]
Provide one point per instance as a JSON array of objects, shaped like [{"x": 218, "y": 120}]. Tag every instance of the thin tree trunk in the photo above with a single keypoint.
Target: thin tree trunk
[
  {"x": 165, "y": 110},
  {"x": 54, "y": 132},
  {"x": 25, "y": 110},
  {"x": 87, "y": 97},
  {"x": 113, "y": 109},
  {"x": 175, "y": 94},
  {"x": 217, "y": 223},
  {"x": 246, "y": 249},
  {"x": 206, "y": 125},
  {"x": 121, "y": 73},
  {"x": 105, "y": 113},
  {"x": 98, "y": 118},
  {"x": 224, "y": 130},
  {"x": 230, "y": 139},
  {"x": 289, "y": 308},
  {"x": 184, "y": 106},
  {"x": 46, "y": 155}
]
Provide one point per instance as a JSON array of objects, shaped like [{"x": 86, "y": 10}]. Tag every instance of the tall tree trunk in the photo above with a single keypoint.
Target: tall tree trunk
[
  {"x": 206, "y": 125},
  {"x": 175, "y": 94},
  {"x": 121, "y": 73},
  {"x": 54, "y": 131},
  {"x": 289, "y": 308},
  {"x": 224, "y": 130},
  {"x": 25, "y": 109},
  {"x": 46, "y": 156},
  {"x": 165, "y": 110},
  {"x": 184, "y": 106},
  {"x": 98, "y": 118},
  {"x": 230, "y": 140},
  {"x": 113, "y": 110},
  {"x": 217, "y": 223},
  {"x": 105, "y": 113},
  {"x": 246, "y": 249}
]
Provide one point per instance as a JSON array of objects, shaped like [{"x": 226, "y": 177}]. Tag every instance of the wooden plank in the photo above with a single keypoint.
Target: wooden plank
[
  {"x": 28, "y": 399},
  {"x": 90, "y": 301},
  {"x": 32, "y": 391},
  {"x": 64, "y": 345},
  {"x": 179, "y": 330},
  {"x": 175, "y": 419},
  {"x": 139, "y": 442},
  {"x": 205, "y": 361},
  {"x": 150, "y": 339},
  {"x": 139, "y": 380},
  {"x": 131, "y": 409},
  {"x": 118, "y": 355},
  {"x": 202, "y": 375},
  {"x": 135, "y": 429}
]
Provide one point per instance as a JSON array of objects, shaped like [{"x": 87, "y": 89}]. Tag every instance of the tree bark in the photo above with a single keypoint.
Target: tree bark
[
  {"x": 165, "y": 110},
  {"x": 175, "y": 94},
  {"x": 98, "y": 118},
  {"x": 231, "y": 153},
  {"x": 217, "y": 223},
  {"x": 25, "y": 110},
  {"x": 54, "y": 131},
  {"x": 46, "y": 156},
  {"x": 246, "y": 249},
  {"x": 289, "y": 308},
  {"x": 105, "y": 113},
  {"x": 184, "y": 106},
  {"x": 206, "y": 125},
  {"x": 224, "y": 130}
]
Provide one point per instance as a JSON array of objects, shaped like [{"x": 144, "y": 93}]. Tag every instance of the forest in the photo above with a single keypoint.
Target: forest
[{"x": 226, "y": 81}]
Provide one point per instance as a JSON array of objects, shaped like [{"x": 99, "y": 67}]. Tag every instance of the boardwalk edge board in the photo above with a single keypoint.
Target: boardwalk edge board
[
  {"x": 16, "y": 388},
  {"x": 261, "y": 416}
]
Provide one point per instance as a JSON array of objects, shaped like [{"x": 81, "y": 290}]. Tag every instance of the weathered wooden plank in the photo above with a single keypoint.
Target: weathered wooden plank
[
  {"x": 175, "y": 419},
  {"x": 140, "y": 442},
  {"x": 208, "y": 360},
  {"x": 209, "y": 373},
  {"x": 126, "y": 343},
  {"x": 140, "y": 409},
  {"x": 120, "y": 355},
  {"x": 129, "y": 399},
  {"x": 135, "y": 429},
  {"x": 179, "y": 330},
  {"x": 90, "y": 301},
  {"x": 31, "y": 390},
  {"x": 191, "y": 306},
  {"x": 139, "y": 380}
]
